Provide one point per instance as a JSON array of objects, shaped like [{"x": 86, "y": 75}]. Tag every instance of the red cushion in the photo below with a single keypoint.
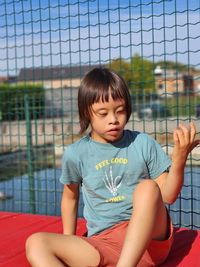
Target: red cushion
[
  {"x": 16, "y": 227},
  {"x": 185, "y": 250}
]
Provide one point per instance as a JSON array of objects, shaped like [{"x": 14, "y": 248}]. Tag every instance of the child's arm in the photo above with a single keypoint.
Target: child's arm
[
  {"x": 171, "y": 183},
  {"x": 69, "y": 208}
]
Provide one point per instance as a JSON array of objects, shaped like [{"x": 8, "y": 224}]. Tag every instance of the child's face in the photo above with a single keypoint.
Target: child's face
[{"x": 108, "y": 120}]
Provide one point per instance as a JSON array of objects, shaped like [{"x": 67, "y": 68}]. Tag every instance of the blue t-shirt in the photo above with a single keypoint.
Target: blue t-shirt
[{"x": 109, "y": 174}]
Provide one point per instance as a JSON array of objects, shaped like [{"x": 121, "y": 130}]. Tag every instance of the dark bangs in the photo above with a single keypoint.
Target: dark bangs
[{"x": 97, "y": 85}]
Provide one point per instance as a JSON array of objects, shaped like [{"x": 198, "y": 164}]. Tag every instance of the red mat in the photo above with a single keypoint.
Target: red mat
[{"x": 16, "y": 227}]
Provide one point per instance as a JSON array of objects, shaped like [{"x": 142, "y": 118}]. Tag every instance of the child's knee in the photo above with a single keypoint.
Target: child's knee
[
  {"x": 34, "y": 246},
  {"x": 148, "y": 190}
]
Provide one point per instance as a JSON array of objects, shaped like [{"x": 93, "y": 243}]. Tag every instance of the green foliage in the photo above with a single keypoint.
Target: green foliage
[
  {"x": 143, "y": 74},
  {"x": 12, "y": 101},
  {"x": 138, "y": 73},
  {"x": 122, "y": 67},
  {"x": 183, "y": 105}
]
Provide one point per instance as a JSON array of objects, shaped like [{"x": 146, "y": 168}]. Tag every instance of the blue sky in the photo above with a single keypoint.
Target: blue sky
[{"x": 44, "y": 33}]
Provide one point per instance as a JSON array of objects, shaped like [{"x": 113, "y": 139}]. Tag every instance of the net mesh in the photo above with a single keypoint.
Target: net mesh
[{"x": 46, "y": 47}]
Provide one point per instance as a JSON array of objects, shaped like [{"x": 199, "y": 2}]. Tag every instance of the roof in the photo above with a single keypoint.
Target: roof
[{"x": 54, "y": 73}]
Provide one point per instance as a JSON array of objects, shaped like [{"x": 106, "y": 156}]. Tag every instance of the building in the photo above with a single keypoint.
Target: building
[
  {"x": 55, "y": 77},
  {"x": 3, "y": 79},
  {"x": 63, "y": 80},
  {"x": 170, "y": 81}
]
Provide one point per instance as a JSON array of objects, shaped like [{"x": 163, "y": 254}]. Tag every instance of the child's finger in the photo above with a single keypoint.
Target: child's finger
[
  {"x": 192, "y": 131},
  {"x": 175, "y": 137},
  {"x": 185, "y": 133},
  {"x": 181, "y": 135}
]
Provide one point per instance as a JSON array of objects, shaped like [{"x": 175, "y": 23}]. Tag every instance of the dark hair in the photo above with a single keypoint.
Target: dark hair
[{"x": 96, "y": 85}]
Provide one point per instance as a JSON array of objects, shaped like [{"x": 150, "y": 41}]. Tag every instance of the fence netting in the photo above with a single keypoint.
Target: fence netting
[{"x": 46, "y": 47}]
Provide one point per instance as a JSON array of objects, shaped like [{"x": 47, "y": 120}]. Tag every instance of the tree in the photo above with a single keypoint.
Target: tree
[
  {"x": 142, "y": 75},
  {"x": 122, "y": 67},
  {"x": 138, "y": 74},
  {"x": 12, "y": 99}
]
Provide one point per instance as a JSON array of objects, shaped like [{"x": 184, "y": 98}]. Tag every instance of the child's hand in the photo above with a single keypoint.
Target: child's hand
[{"x": 184, "y": 142}]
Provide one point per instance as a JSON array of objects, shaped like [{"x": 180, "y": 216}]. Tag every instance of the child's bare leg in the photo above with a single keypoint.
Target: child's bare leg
[
  {"x": 57, "y": 250},
  {"x": 149, "y": 221}
]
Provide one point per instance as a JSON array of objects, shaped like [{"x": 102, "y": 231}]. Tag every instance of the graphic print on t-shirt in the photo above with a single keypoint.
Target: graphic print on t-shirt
[
  {"x": 112, "y": 183},
  {"x": 112, "y": 179}
]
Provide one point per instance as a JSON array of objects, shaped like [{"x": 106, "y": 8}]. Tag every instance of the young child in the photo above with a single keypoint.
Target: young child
[{"x": 126, "y": 179}]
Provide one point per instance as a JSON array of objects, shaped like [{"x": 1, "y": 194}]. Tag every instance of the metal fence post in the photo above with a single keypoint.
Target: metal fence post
[{"x": 29, "y": 154}]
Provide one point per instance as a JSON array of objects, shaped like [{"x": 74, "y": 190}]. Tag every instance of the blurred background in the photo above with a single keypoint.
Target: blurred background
[{"x": 46, "y": 47}]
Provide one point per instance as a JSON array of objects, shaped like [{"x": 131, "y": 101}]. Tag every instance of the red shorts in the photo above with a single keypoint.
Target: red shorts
[{"x": 109, "y": 244}]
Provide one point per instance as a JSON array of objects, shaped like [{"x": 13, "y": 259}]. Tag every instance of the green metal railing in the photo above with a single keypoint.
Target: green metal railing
[{"x": 46, "y": 47}]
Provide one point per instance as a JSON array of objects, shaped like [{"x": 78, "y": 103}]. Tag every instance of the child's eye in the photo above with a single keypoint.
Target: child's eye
[
  {"x": 121, "y": 110},
  {"x": 102, "y": 114}
]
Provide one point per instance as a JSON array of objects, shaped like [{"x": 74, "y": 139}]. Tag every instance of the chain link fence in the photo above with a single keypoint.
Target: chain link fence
[{"x": 46, "y": 47}]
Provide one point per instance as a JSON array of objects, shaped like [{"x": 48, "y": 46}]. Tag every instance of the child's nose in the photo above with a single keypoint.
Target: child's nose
[{"x": 113, "y": 118}]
